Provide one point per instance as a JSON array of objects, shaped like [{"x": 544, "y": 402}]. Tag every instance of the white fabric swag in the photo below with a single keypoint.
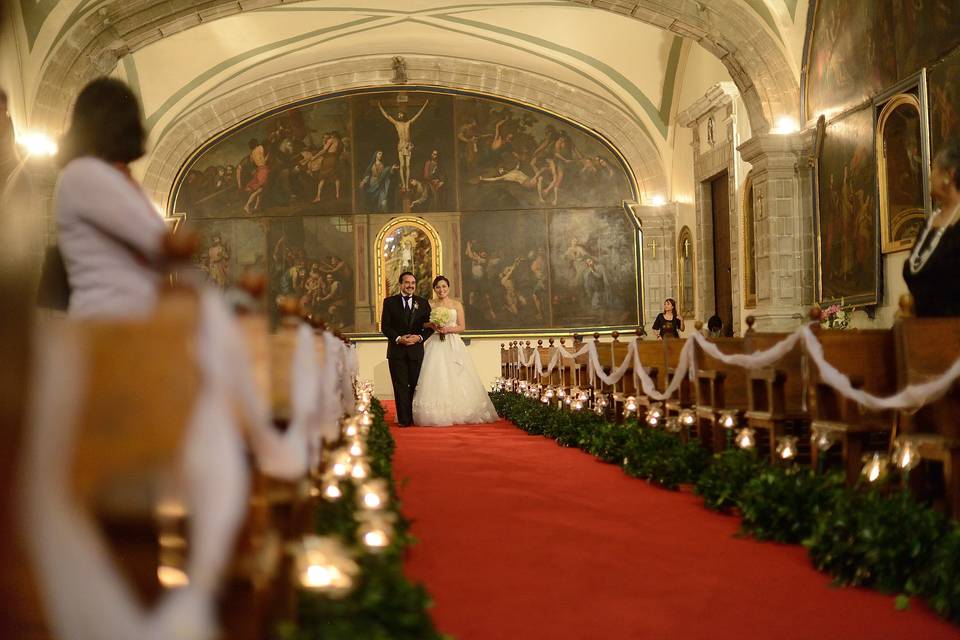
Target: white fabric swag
[{"x": 909, "y": 398}]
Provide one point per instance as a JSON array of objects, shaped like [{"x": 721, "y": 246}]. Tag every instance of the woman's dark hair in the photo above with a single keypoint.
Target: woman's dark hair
[
  {"x": 673, "y": 303},
  {"x": 105, "y": 123},
  {"x": 949, "y": 158},
  {"x": 438, "y": 280},
  {"x": 714, "y": 323}
]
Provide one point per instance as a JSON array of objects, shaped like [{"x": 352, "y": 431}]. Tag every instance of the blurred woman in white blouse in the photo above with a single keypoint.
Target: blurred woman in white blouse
[{"x": 110, "y": 235}]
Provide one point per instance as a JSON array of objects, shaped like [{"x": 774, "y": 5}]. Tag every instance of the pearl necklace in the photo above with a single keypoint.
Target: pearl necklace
[{"x": 921, "y": 253}]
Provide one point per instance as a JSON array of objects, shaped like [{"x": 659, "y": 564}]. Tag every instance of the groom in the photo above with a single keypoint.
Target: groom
[{"x": 402, "y": 322}]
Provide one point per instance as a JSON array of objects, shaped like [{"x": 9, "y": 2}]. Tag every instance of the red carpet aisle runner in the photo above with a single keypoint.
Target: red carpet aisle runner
[{"x": 523, "y": 539}]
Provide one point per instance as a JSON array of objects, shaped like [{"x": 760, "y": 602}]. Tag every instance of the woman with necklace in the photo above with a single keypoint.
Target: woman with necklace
[{"x": 931, "y": 270}]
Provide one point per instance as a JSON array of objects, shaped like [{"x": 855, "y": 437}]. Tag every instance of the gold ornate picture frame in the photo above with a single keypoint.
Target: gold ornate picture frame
[
  {"x": 686, "y": 273},
  {"x": 901, "y": 155},
  {"x": 406, "y": 243}
]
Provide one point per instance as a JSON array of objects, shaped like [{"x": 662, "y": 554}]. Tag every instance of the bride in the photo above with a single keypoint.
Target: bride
[{"x": 449, "y": 390}]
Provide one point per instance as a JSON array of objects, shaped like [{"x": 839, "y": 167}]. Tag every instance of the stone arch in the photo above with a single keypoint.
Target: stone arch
[
  {"x": 729, "y": 29},
  {"x": 190, "y": 130}
]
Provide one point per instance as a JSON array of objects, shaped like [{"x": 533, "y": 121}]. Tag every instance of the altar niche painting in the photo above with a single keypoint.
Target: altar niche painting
[
  {"x": 407, "y": 244},
  {"x": 404, "y": 152},
  {"x": 901, "y": 153},
  {"x": 293, "y": 163},
  {"x": 506, "y": 283},
  {"x": 593, "y": 268},
  {"x": 847, "y": 211},
  {"x": 312, "y": 259},
  {"x": 513, "y": 158}
]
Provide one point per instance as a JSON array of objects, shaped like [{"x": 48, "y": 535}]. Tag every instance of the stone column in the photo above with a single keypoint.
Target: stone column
[
  {"x": 659, "y": 234},
  {"x": 783, "y": 224}
]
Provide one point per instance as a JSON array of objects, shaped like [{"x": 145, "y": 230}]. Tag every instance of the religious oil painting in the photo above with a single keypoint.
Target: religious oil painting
[
  {"x": 296, "y": 162},
  {"x": 924, "y": 31},
  {"x": 228, "y": 249},
  {"x": 900, "y": 171},
  {"x": 514, "y": 158},
  {"x": 407, "y": 244},
  {"x": 311, "y": 258},
  {"x": 506, "y": 284},
  {"x": 293, "y": 191},
  {"x": 593, "y": 268},
  {"x": 944, "y": 97},
  {"x": 404, "y": 160},
  {"x": 847, "y": 212},
  {"x": 850, "y": 57}
]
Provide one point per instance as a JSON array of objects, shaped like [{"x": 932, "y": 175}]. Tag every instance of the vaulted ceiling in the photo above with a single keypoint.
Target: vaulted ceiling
[{"x": 631, "y": 59}]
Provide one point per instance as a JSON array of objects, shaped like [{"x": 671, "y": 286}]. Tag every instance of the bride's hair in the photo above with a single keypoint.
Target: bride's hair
[{"x": 438, "y": 280}]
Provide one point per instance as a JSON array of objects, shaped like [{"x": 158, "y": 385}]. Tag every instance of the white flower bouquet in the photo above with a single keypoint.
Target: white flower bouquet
[{"x": 440, "y": 316}]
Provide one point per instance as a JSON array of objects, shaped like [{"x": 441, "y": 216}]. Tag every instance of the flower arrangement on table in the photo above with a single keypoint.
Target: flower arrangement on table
[
  {"x": 440, "y": 316},
  {"x": 834, "y": 317}
]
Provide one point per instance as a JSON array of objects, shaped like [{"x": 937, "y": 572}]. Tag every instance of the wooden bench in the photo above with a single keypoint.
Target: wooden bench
[
  {"x": 625, "y": 386},
  {"x": 867, "y": 357},
  {"x": 925, "y": 348},
  {"x": 775, "y": 401},
  {"x": 683, "y": 400},
  {"x": 719, "y": 388},
  {"x": 653, "y": 358}
]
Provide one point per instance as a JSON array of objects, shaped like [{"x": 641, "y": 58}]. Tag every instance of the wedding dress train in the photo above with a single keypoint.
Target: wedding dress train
[{"x": 449, "y": 390}]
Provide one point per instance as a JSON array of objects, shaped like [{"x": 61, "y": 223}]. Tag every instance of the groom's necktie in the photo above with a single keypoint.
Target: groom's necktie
[{"x": 407, "y": 306}]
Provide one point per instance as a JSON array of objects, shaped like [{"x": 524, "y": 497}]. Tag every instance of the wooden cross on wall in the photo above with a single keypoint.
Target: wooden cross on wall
[{"x": 653, "y": 246}]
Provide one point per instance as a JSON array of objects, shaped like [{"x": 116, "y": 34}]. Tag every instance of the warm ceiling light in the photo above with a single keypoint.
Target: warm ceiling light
[
  {"x": 785, "y": 124},
  {"x": 37, "y": 144},
  {"x": 658, "y": 201}
]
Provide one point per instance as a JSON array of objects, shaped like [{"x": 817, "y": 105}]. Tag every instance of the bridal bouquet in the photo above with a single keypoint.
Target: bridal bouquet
[
  {"x": 833, "y": 317},
  {"x": 440, "y": 316}
]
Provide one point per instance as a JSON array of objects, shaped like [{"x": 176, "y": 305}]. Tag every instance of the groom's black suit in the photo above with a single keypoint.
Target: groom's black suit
[{"x": 404, "y": 360}]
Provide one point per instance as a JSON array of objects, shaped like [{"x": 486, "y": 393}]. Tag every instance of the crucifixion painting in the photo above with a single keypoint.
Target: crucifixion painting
[{"x": 404, "y": 144}]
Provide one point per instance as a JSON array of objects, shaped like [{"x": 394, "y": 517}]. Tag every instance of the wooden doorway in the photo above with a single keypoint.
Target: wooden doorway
[{"x": 722, "y": 273}]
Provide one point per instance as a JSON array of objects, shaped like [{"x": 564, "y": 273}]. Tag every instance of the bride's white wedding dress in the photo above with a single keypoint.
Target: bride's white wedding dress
[{"x": 449, "y": 390}]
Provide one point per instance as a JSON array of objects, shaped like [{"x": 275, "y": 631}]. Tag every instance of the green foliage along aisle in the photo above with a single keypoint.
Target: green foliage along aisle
[
  {"x": 384, "y": 605},
  {"x": 872, "y": 536}
]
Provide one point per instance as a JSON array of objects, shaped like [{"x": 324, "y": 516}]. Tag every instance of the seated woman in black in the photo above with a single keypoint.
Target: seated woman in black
[
  {"x": 668, "y": 323},
  {"x": 933, "y": 266}
]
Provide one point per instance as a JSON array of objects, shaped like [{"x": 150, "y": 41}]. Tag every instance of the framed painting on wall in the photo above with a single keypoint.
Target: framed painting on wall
[{"x": 847, "y": 246}]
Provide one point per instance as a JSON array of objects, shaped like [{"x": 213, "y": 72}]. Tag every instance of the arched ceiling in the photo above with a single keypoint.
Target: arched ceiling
[{"x": 625, "y": 56}]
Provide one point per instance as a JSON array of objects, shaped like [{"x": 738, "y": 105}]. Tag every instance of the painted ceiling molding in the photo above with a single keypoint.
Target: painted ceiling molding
[
  {"x": 204, "y": 121},
  {"x": 111, "y": 29}
]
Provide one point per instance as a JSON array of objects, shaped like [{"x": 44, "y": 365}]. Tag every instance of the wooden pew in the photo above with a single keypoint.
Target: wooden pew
[
  {"x": 653, "y": 357},
  {"x": 684, "y": 398},
  {"x": 925, "y": 348},
  {"x": 719, "y": 388},
  {"x": 504, "y": 361},
  {"x": 624, "y": 387},
  {"x": 546, "y": 352},
  {"x": 142, "y": 382},
  {"x": 775, "y": 394},
  {"x": 867, "y": 357},
  {"x": 527, "y": 372}
]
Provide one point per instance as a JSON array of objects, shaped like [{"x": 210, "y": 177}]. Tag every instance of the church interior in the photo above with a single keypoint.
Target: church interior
[{"x": 700, "y": 255}]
